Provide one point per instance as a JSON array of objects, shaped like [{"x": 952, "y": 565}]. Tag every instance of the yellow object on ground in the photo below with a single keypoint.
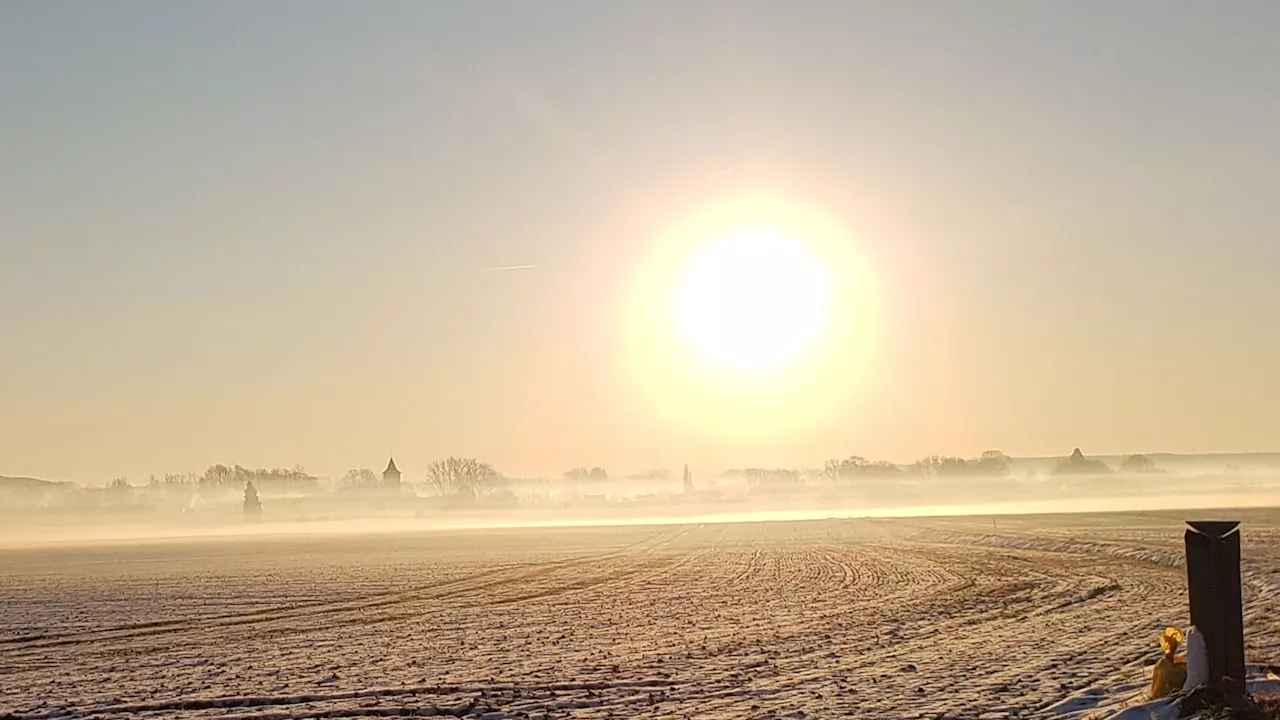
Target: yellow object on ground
[{"x": 1170, "y": 671}]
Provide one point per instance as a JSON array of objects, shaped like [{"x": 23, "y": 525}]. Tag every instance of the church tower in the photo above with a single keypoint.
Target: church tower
[{"x": 391, "y": 476}]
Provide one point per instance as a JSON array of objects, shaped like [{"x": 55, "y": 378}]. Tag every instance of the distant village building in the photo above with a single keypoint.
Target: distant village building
[
  {"x": 1078, "y": 464},
  {"x": 688, "y": 481},
  {"x": 391, "y": 476}
]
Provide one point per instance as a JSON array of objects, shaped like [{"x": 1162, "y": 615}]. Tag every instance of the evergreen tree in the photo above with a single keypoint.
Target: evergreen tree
[{"x": 252, "y": 505}]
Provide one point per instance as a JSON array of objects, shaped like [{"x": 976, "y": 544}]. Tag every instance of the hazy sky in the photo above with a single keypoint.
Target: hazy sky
[{"x": 258, "y": 232}]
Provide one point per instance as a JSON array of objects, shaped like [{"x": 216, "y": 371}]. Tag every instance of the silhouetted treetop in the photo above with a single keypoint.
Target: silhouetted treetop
[
  {"x": 595, "y": 474},
  {"x": 857, "y": 467},
  {"x": 462, "y": 477},
  {"x": 219, "y": 477},
  {"x": 361, "y": 477},
  {"x": 1138, "y": 464},
  {"x": 991, "y": 463}
]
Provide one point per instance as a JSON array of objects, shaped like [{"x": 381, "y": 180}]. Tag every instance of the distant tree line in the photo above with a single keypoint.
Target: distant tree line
[
  {"x": 174, "y": 480},
  {"x": 234, "y": 477},
  {"x": 765, "y": 480},
  {"x": 583, "y": 475},
  {"x": 470, "y": 477},
  {"x": 856, "y": 467},
  {"x": 991, "y": 463}
]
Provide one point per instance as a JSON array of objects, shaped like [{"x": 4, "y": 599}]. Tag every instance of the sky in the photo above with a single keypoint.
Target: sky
[{"x": 262, "y": 233}]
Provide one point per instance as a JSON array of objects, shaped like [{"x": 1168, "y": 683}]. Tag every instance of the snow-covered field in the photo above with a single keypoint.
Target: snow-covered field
[{"x": 1025, "y": 616}]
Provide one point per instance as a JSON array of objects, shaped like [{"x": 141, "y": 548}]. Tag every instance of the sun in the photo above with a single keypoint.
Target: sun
[
  {"x": 753, "y": 300},
  {"x": 749, "y": 320}
]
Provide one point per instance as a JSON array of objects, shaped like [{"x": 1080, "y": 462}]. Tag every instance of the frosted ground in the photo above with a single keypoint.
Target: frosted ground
[{"x": 1017, "y": 617}]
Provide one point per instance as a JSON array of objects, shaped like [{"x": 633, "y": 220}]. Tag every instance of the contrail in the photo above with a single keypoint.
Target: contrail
[{"x": 509, "y": 268}]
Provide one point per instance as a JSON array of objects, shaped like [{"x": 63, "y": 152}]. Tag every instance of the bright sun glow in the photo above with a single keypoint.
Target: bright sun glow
[
  {"x": 749, "y": 320},
  {"x": 753, "y": 300}
]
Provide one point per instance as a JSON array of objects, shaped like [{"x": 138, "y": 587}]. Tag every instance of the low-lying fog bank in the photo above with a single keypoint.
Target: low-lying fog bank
[{"x": 67, "y": 513}]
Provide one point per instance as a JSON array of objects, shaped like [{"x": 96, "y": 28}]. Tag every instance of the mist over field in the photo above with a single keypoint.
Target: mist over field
[{"x": 293, "y": 502}]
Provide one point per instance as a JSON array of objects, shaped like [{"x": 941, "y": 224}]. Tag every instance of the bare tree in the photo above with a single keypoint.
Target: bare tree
[
  {"x": 596, "y": 474},
  {"x": 942, "y": 465},
  {"x": 219, "y": 476},
  {"x": 764, "y": 479},
  {"x": 856, "y": 468},
  {"x": 993, "y": 462},
  {"x": 222, "y": 477},
  {"x": 1138, "y": 464},
  {"x": 458, "y": 476},
  {"x": 361, "y": 477}
]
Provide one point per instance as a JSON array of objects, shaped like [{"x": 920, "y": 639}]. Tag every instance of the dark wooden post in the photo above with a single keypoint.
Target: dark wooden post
[{"x": 1213, "y": 586}]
